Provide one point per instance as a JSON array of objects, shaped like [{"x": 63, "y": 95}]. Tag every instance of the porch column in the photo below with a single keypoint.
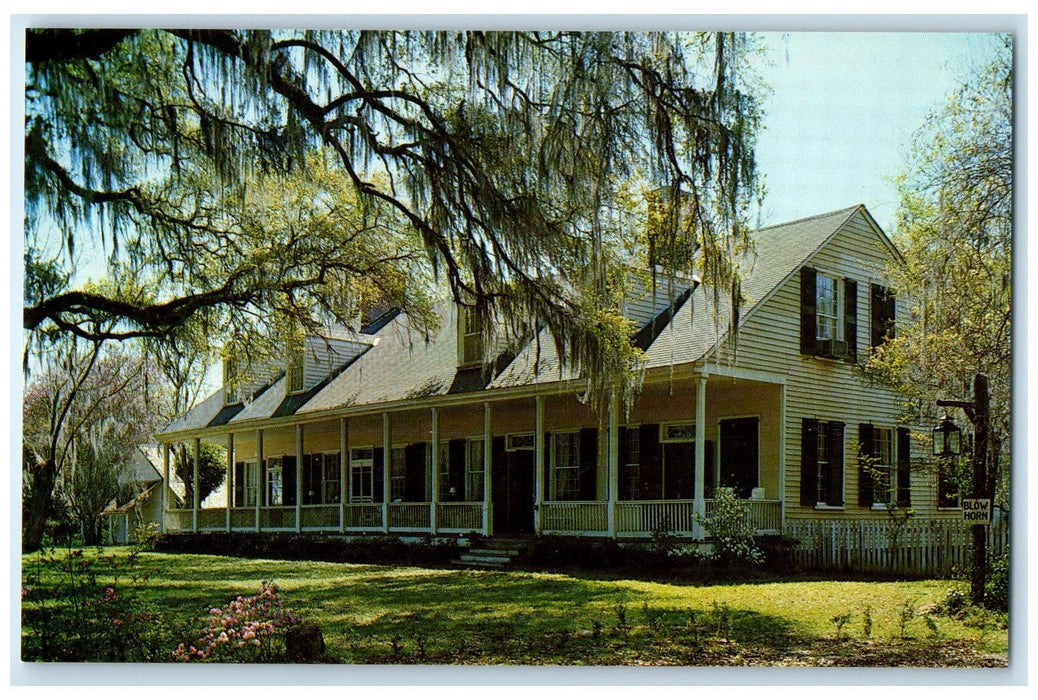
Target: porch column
[
  {"x": 699, "y": 502},
  {"x": 194, "y": 486},
  {"x": 165, "y": 485},
  {"x": 487, "y": 455},
  {"x": 538, "y": 463},
  {"x": 344, "y": 454},
  {"x": 386, "y": 449},
  {"x": 435, "y": 476},
  {"x": 299, "y": 477},
  {"x": 229, "y": 479},
  {"x": 614, "y": 463},
  {"x": 259, "y": 476}
]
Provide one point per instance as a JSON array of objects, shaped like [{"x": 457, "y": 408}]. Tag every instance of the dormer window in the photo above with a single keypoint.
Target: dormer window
[
  {"x": 295, "y": 372},
  {"x": 230, "y": 382},
  {"x": 470, "y": 336}
]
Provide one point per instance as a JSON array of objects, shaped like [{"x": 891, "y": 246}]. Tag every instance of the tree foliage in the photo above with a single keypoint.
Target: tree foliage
[
  {"x": 238, "y": 179},
  {"x": 212, "y": 470},
  {"x": 82, "y": 416},
  {"x": 955, "y": 230}
]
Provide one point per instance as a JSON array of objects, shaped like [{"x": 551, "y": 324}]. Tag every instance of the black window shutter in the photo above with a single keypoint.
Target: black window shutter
[
  {"x": 588, "y": 463},
  {"x": 377, "y": 469},
  {"x": 288, "y": 483},
  {"x": 809, "y": 463},
  {"x": 651, "y": 485},
  {"x": 239, "y": 485},
  {"x": 708, "y": 469},
  {"x": 308, "y": 481},
  {"x": 904, "y": 464},
  {"x": 834, "y": 479},
  {"x": 850, "y": 317},
  {"x": 882, "y": 305},
  {"x": 455, "y": 471},
  {"x": 547, "y": 491},
  {"x": 414, "y": 472},
  {"x": 865, "y": 485},
  {"x": 808, "y": 309}
]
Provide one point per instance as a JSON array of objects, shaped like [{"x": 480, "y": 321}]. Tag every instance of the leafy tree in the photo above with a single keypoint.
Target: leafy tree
[
  {"x": 955, "y": 231},
  {"x": 500, "y": 163},
  {"x": 212, "y": 470},
  {"x": 84, "y": 403}
]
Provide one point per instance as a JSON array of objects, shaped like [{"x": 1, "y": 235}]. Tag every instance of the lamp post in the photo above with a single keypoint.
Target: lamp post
[{"x": 948, "y": 434}]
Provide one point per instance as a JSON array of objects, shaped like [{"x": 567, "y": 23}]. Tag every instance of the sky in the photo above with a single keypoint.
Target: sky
[{"x": 842, "y": 112}]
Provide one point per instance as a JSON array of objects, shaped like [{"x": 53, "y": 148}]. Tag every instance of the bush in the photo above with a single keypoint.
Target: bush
[
  {"x": 996, "y": 584},
  {"x": 68, "y": 614},
  {"x": 731, "y": 531},
  {"x": 362, "y": 550},
  {"x": 248, "y": 629}
]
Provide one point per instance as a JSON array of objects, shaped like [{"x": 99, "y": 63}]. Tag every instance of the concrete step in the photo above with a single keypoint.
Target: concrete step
[
  {"x": 486, "y": 558},
  {"x": 477, "y": 564},
  {"x": 494, "y": 551}
]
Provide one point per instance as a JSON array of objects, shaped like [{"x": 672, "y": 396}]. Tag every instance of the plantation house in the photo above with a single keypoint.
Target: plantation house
[{"x": 387, "y": 431}]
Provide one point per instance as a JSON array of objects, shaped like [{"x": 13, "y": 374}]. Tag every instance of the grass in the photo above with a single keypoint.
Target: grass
[{"x": 386, "y": 614}]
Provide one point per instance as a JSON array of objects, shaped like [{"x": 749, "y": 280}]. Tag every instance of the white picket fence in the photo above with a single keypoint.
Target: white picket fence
[{"x": 925, "y": 547}]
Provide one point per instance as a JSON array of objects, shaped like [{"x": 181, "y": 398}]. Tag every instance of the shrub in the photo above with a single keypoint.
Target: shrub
[
  {"x": 731, "y": 531},
  {"x": 996, "y": 584},
  {"x": 954, "y": 602},
  {"x": 68, "y": 614},
  {"x": 248, "y": 629}
]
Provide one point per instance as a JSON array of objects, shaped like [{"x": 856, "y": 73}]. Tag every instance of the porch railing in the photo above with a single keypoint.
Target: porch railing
[
  {"x": 243, "y": 518},
  {"x": 178, "y": 520},
  {"x": 212, "y": 519},
  {"x": 574, "y": 516},
  {"x": 642, "y": 518},
  {"x": 764, "y": 515},
  {"x": 278, "y": 518},
  {"x": 408, "y": 516},
  {"x": 459, "y": 517},
  {"x": 362, "y": 516},
  {"x": 319, "y": 517}
]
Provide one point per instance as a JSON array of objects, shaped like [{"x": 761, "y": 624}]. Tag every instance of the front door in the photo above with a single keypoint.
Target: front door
[
  {"x": 739, "y": 455},
  {"x": 512, "y": 488}
]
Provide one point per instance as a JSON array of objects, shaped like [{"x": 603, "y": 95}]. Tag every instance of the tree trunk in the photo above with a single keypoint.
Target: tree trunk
[{"x": 37, "y": 504}]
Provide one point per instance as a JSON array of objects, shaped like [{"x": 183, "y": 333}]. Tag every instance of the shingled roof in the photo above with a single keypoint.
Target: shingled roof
[
  {"x": 779, "y": 251},
  {"x": 409, "y": 363}
]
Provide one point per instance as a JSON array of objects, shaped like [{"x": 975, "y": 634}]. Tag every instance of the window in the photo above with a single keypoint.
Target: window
[
  {"x": 246, "y": 484},
  {"x": 565, "y": 457},
  {"x": 474, "y": 470},
  {"x": 295, "y": 372},
  {"x": 821, "y": 463},
  {"x": 883, "y": 466},
  {"x": 678, "y": 432},
  {"x": 828, "y": 315},
  {"x": 947, "y": 485},
  {"x": 630, "y": 463},
  {"x": 829, "y": 323},
  {"x": 470, "y": 335},
  {"x": 519, "y": 441},
  {"x": 322, "y": 484},
  {"x": 361, "y": 475},
  {"x": 275, "y": 484},
  {"x": 397, "y": 473},
  {"x": 884, "y": 463}
]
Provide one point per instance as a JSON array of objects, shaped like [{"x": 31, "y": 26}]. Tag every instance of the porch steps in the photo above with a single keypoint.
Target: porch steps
[{"x": 491, "y": 554}]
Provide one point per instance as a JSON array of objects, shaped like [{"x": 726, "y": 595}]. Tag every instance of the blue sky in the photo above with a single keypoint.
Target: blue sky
[{"x": 842, "y": 112}]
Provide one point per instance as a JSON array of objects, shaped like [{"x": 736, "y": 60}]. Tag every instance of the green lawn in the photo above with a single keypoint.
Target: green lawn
[{"x": 386, "y": 614}]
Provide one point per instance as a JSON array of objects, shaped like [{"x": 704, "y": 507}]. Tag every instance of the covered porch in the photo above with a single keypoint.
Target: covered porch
[{"x": 536, "y": 464}]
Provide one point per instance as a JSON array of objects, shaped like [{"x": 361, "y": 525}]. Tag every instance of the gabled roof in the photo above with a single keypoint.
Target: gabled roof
[{"x": 779, "y": 251}]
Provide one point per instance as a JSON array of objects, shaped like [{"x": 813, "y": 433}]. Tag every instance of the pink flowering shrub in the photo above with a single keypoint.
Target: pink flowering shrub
[{"x": 249, "y": 628}]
